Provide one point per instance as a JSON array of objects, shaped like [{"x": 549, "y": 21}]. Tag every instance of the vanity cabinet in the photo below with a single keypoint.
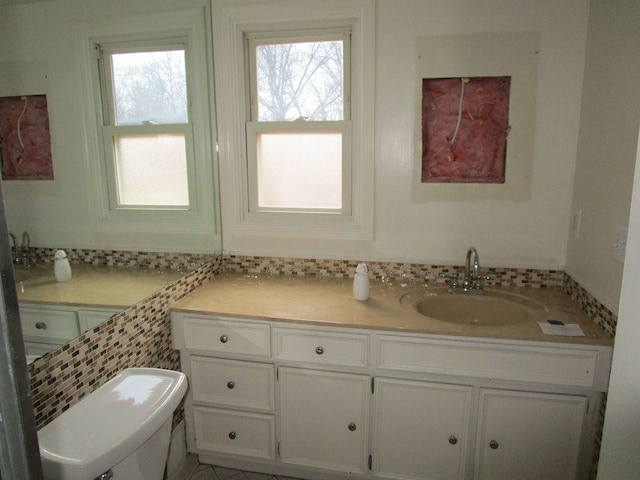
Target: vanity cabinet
[
  {"x": 89, "y": 318},
  {"x": 422, "y": 429},
  {"x": 520, "y": 434},
  {"x": 46, "y": 327},
  {"x": 528, "y": 435},
  {"x": 324, "y": 419},
  {"x": 326, "y": 402},
  {"x": 230, "y": 405},
  {"x": 233, "y": 406}
]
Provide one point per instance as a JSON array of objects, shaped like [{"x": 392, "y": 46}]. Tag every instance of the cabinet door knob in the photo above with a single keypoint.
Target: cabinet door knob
[
  {"x": 319, "y": 350},
  {"x": 232, "y": 435},
  {"x": 352, "y": 427},
  {"x": 493, "y": 444},
  {"x": 224, "y": 338},
  {"x": 41, "y": 325},
  {"x": 231, "y": 385},
  {"x": 453, "y": 440}
]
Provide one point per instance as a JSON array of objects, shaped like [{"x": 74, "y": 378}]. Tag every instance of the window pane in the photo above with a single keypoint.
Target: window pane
[
  {"x": 300, "y": 81},
  {"x": 300, "y": 170},
  {"x": 151, "y": 170},
  {"x": 150, "y": 87}
]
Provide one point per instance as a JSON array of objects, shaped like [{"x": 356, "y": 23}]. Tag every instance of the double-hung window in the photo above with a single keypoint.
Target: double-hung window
[
  {"x": 299, "y": 126},
  {"x": 146, "y": 132},
  {"x": 295, "y": 109}
]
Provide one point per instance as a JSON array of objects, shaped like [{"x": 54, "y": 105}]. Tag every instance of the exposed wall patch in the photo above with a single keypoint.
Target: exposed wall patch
[
  {"x": 465, "y": 122},
  {"x": 456, "y": 171},
  {"x": 25, "y": 142}
]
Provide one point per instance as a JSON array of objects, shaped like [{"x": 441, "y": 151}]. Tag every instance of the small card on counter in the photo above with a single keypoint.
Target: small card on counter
[{"x": 556, "y": 327}]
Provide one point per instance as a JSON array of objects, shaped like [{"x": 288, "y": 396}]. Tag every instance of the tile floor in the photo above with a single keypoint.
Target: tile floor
[
  {"x": 208, "y": 472},
  {"x": 195, "y": 471}
]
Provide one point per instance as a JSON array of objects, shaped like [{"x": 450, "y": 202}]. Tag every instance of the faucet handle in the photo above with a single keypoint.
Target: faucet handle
[
  {"x": 453, "y": 279},
  {"x": 487, "y": 277},
  {"x": 451, "y": 275}
]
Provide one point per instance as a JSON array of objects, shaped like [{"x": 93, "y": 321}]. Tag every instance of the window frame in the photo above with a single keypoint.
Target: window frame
[
  {"x": 110, "y": 130},
  {"x": 232, "y": 23},
  {"x": 198, "y": 229},
  {"x": 255, "y": 127}
]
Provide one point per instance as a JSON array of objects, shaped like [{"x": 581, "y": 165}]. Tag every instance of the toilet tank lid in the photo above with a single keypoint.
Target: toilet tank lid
[{"x": 109, "y": 424}]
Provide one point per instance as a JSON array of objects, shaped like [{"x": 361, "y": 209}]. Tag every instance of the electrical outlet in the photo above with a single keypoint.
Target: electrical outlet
[
  {"x": 576, "y": 221},
  {"x": 620, "y": 245}
]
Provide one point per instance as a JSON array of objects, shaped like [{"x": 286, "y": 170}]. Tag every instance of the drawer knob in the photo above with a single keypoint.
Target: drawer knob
[
  {"x": 41, "y": 325},
  {"x": 319, "y": 350},
  {"x": 231, "y": 385},
  {"x": 224, "y": 338},
  {"x": 352, "y": 427},
  {"x": 453, "y": 440},
  {"x": 232, "y": 435},
  {"x": 493, "y": 444}
]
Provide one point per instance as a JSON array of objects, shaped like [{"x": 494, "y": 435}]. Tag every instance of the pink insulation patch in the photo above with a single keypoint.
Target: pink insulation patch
[
  {"x": 25, "y": 144},
  {"x": 465, "y": 122}
]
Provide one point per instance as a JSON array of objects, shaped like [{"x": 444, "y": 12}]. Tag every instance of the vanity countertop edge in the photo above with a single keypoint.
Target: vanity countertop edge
[{"x": 329, "y": 302}]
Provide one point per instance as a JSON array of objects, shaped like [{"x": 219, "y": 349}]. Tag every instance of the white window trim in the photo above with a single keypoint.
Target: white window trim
[
  {"x": 194, "y": 229},
  {"x": 232, "y": 20}
]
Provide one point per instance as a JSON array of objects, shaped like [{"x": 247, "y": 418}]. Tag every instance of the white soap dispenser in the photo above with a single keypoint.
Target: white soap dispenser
[
  {"x": 61, "y": 267},
  {"x": 361, "y": 282}
]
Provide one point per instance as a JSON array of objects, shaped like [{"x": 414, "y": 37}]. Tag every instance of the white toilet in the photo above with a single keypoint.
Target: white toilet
[{"x": 121, "y": 431}]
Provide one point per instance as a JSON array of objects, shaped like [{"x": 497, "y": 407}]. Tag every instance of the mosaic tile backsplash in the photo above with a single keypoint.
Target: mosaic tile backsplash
[{"x": 141, "y": 335}]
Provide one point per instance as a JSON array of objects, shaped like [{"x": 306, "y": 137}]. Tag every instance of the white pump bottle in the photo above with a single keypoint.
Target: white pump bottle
[
  {"x": 361, "y": 282},
  {"x": 61, "y": 267}
]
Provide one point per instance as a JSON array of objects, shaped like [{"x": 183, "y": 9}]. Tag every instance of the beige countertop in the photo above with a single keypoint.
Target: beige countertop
[
  {"x": 95, "y": 286},
  {"x": 330, "y": 302}
]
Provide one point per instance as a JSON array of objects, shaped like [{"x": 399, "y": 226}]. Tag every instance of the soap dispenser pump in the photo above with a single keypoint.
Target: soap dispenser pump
[
  {"x": 61, "y": 267},
  {"x": 361, "y": 282}
]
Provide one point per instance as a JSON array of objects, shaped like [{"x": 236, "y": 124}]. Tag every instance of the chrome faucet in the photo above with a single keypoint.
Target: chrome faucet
[
  {"x": 26, "y": 250},
  {"x": 21, "y": 254},
  {"x": 472, "y": 271},
  {"x": 473, "y": 280},
  {"x": 15, "y": 245}
]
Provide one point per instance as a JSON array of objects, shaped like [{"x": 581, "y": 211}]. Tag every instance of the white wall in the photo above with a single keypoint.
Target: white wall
[
  {"x": 608, "y": 151},
  {"x": 527, "y": 232},
  {"x": 607, "y": 145},
  {"x": 43, "y": 37},
  {"x": 621, "y": 436}
]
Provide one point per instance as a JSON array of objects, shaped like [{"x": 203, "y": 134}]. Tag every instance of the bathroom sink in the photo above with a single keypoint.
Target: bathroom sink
[{"x": 491, "y": 309}]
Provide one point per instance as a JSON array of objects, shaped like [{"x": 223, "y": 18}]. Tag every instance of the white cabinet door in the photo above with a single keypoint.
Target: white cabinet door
[
  {"x": 323, "y": 419},
  {"x": 421, "y": 430},
  {"x": 529, "y": 436},
  {"x": 91, "y": 318}
]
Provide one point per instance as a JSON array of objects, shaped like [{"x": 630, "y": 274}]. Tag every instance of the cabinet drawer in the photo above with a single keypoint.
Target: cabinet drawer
[
  {"x": 492, "y": 360},
  {"x": 232, "y": 383},
  {"x": 49, "y": 325},
  {"x": 224, "y": 431},
  {"x": 226, "y": 337},
  {"x": 349, "y": 349}
]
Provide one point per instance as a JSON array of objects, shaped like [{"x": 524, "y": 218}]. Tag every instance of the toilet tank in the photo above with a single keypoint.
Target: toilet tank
[{"x": 110, "y": 424}]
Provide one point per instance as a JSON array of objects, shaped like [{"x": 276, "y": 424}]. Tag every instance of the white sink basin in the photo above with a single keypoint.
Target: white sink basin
[{"x": 491, "y": 309}]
